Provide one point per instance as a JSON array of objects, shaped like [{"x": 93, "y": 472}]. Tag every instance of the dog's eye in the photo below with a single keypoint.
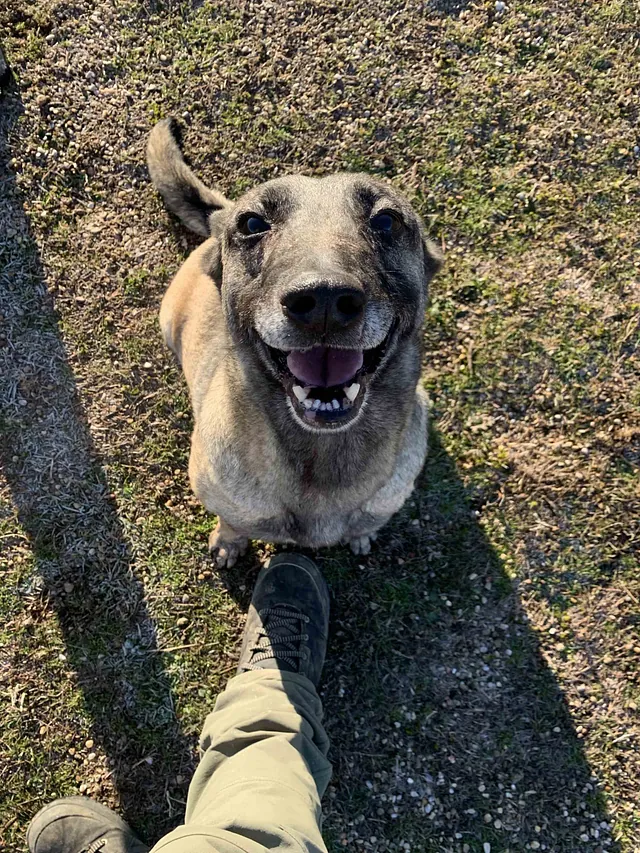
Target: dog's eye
[
  {"x": 386, "y": 222},
  {"x": 251, "y": 223}
]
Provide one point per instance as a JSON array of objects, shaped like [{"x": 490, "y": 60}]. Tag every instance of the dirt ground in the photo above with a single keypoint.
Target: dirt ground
[{"x": 482, "y": 686}]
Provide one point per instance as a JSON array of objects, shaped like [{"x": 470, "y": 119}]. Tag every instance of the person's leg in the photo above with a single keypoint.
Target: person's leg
[
  {"x": 264, "y": 767},
  {"x": 262, "y": 772}
]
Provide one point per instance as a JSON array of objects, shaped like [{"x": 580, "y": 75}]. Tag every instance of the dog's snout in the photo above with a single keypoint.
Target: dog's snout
[{"x": 323, "y": 307}]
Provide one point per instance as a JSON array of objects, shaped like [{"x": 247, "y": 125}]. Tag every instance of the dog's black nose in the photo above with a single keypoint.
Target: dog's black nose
[{"x": 324, "y": 307}]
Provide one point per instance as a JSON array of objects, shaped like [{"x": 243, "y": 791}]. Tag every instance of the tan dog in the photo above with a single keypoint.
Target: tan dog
[{"x": 298, "y": 326}]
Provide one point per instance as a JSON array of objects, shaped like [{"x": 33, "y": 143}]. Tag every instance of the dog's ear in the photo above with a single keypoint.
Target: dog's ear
[
  {"x": 183, "y": 193},
  {"x": 433, "y": 258}
]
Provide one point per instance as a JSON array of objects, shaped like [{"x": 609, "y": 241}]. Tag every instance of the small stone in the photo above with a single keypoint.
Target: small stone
[
  {"x": 89, "y": 744},
  {"x": 182, "y": 622},
  {"x": 68, "y": 587}
]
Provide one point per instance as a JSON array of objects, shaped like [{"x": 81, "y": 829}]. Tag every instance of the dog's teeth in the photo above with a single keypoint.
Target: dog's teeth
[
  {"x": 300, "y": 392},
  {"x": 307, "y": 403},
  {"x": 352, "y": 391},
  {"x": 316, "y": 404},
  {"x": 335, "y": 404},
  {"x": 325, "y": 406}
]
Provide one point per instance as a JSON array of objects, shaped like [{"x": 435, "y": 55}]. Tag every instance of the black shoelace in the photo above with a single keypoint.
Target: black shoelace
[{"x": 279, "y": 636}]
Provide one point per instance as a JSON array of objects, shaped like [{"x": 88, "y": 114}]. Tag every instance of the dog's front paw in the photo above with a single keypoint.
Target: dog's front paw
[
  {"x": 362, "y": 544},
  {"x": 225, "y": 545}
]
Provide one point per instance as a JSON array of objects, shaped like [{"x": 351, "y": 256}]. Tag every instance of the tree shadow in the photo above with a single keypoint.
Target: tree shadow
[
  {"x": 447, "y": 726},
  {"x": 85, "y": 566}
]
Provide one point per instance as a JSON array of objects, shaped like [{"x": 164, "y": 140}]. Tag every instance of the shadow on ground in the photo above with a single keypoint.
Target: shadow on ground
[
  {"x": 447, "y": 726},
  {"x": 448, "y": 7},
  {"x": 84, "y": 563}
]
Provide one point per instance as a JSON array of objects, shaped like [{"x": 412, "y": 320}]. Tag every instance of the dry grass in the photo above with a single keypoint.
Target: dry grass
[{"x": 482, "y": 686}]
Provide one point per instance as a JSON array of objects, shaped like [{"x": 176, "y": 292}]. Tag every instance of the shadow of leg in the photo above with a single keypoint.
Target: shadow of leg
[{"x": 70, "y": 575}]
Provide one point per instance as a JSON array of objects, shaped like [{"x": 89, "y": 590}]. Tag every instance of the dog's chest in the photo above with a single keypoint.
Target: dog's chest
[
  {"x": 254, "y": 486},
  {"x": 312, "y": 528},
  {"x": 274, "y": 505}
]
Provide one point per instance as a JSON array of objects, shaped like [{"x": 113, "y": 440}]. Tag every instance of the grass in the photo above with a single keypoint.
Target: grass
[{"x": 482, "y": 681}]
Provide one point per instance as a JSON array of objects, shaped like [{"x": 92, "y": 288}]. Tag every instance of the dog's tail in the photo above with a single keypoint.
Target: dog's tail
[{"x": 183, "y": 193}]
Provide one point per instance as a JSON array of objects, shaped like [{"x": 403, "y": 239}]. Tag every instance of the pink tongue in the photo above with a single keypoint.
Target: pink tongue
[{"x": 324, "y": 365}]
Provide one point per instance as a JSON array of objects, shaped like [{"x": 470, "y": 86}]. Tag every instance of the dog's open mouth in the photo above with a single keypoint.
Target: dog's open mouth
[{"x": 326, "y": 385}]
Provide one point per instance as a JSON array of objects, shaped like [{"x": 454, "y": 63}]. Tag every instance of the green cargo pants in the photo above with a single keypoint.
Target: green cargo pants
[{"x": 262, "y": 772}]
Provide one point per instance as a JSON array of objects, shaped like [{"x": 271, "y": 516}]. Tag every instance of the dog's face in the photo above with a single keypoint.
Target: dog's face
[{"x": 323, "y": 278}]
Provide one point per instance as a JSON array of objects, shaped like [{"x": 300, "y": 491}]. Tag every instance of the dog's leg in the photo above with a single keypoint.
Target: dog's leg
[
  {"x": 362, "y": 544},
  {"x": 226, "y": 544},
  {"x": 365, "y": 523}
]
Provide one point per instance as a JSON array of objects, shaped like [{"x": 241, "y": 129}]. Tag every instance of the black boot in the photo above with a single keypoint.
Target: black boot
[
  {"x": 288, "y": 620},
  {"x": 80, "y": 825}
]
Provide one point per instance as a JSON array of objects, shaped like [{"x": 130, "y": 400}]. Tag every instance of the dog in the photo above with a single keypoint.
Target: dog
[{"x": 298, "y": 325}]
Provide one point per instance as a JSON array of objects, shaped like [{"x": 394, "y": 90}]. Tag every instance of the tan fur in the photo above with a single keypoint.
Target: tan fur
[
  {"x": 262, "y": 472},
  {"x": 236, "y": 468}
]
